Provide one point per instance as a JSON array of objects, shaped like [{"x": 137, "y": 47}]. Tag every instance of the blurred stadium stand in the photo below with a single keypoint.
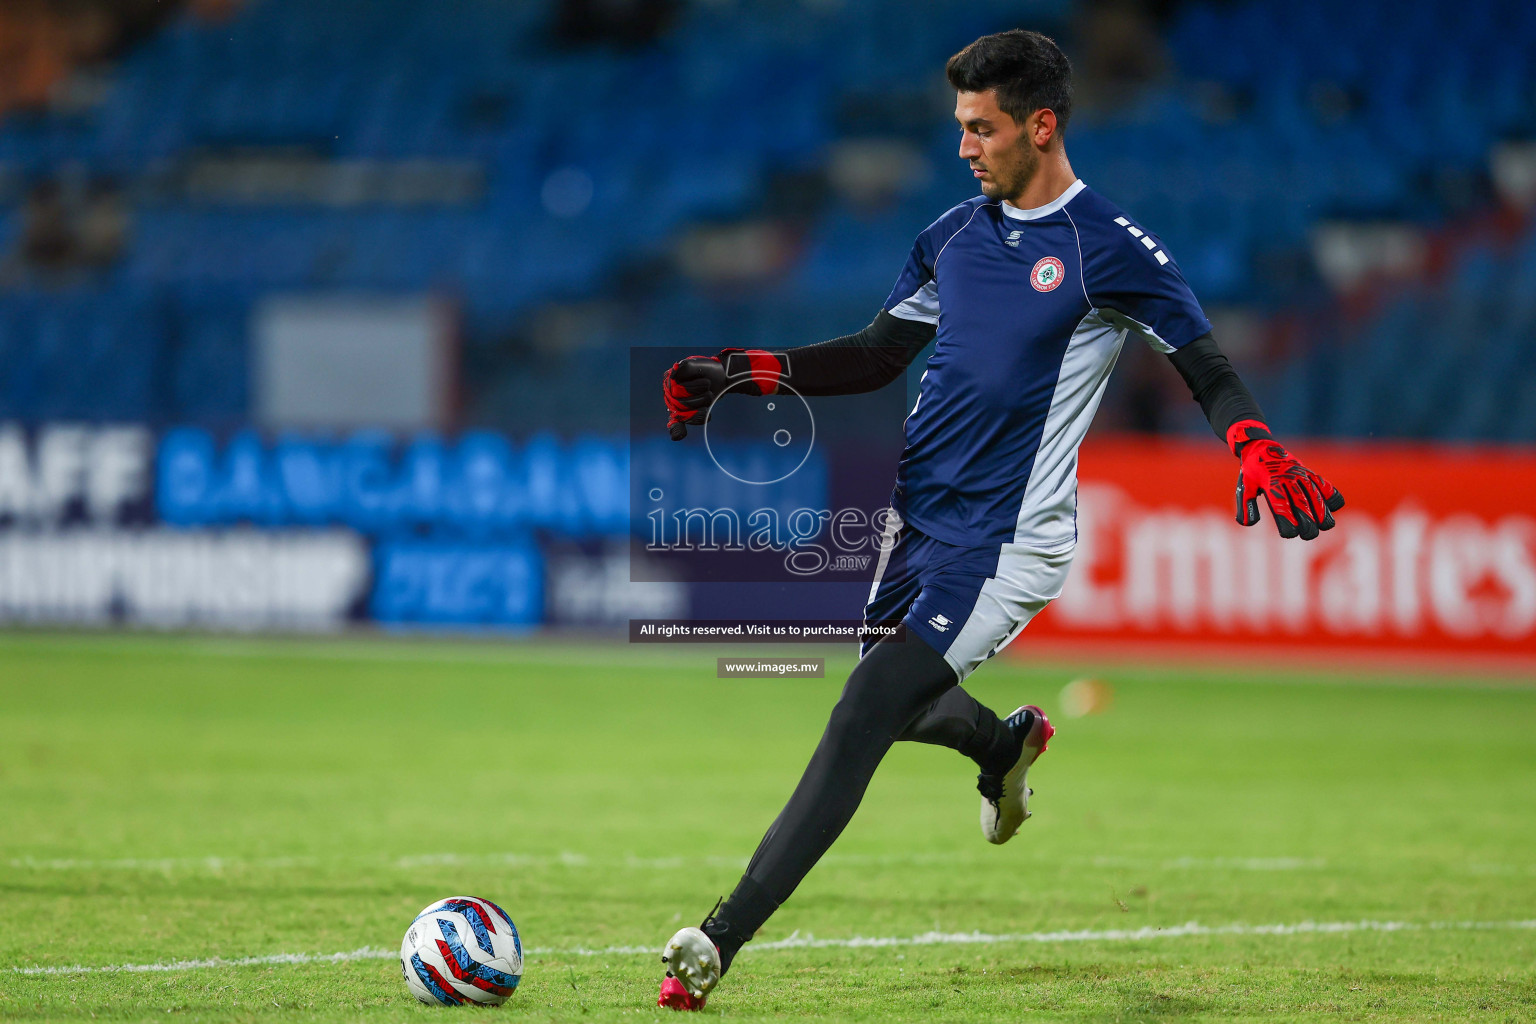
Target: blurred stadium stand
[
  {"x": 582, "y": 176},
  {"x": 1449, "y": 352}
]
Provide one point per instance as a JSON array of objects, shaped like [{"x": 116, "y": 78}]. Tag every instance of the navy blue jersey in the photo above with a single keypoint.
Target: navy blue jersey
[{"x": 1031, "y": 307}]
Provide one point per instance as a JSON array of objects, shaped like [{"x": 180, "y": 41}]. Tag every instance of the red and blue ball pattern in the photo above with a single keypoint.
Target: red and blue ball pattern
[{"x": 462, "y": 950}]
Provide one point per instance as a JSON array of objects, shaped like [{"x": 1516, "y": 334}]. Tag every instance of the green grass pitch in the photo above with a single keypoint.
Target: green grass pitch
[{"x": 168, "y": 799}]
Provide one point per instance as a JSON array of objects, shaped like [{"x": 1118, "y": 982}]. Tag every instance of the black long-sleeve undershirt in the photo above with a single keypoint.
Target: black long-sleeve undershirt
[
  {"x": 877, "y": 355},
  {"x": 1215, "y": 385},
  {"x": 855, "y": 363}
]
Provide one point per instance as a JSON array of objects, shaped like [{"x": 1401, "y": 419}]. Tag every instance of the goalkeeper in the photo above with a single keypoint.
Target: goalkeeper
[{"x": 1028, "y": 291}]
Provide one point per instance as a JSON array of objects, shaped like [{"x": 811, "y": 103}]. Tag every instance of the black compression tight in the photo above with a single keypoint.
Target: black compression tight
[{"x": 900, "y": 690}]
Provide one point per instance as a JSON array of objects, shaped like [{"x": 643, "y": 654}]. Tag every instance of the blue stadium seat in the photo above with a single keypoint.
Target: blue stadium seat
[{"x": 1326, "y": 108}]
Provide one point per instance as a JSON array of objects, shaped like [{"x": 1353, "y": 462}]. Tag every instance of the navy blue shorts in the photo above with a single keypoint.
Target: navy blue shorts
[{"x": 967, "y": 603}]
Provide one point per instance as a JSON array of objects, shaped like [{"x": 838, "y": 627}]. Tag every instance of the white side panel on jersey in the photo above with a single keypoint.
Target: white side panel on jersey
[
  {"x": 1048, "y": 513},
  {"x": 922, "y": 304},
  {"x": 1130, "y": 323}
]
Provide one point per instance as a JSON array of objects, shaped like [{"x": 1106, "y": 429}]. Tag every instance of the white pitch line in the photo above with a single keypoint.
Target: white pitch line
[
  {"x": 580, "y": 860},
  {"x": 366, "y": 953},
  {"x": 798, "y": 941},
  {"x": 1209, "y": 863},
  {"x": 163, "y": 864},
  {"x": 1190, "y": 928}
]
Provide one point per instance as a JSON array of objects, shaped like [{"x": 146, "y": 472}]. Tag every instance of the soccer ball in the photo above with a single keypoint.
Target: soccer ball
[{"x": 462, "y": 950}]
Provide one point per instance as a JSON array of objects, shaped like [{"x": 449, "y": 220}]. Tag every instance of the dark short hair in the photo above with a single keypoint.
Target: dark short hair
[{"x": 1027, "y": 69}]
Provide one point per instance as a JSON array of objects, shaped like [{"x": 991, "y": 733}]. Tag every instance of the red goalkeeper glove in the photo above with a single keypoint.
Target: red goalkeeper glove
[
  {"x": 1301, "y": 502},
  {"x": 691, "y": 386}
]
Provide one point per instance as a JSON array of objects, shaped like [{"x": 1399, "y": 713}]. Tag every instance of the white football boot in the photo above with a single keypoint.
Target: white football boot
[
  {"x": 1005, "y": 798},
  {"x": 693, "y": 970}
]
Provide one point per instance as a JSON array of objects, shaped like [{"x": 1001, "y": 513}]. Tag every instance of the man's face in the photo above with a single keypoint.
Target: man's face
[{"x": 998, "y": 148}]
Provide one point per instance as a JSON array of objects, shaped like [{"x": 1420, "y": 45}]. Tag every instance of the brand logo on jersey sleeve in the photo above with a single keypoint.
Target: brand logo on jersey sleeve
[{"x": 1047, "y": 274}]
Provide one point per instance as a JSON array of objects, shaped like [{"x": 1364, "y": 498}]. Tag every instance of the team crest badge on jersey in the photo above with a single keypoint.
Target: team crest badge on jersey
[{"x": 1047, "y": 274}]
